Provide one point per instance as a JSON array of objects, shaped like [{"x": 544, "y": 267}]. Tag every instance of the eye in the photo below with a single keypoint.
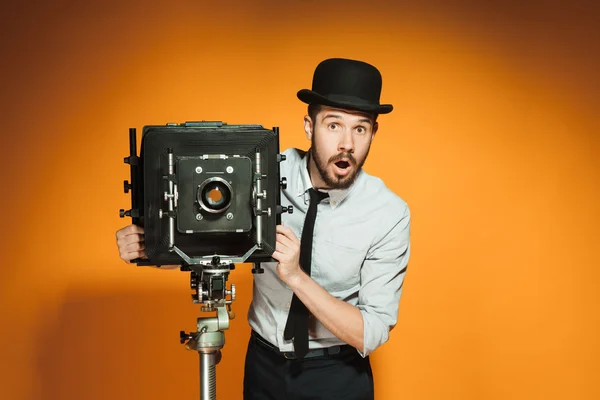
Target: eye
[
  {"x": 361, "y": 130},
  {"x": 332, "y": 126}
]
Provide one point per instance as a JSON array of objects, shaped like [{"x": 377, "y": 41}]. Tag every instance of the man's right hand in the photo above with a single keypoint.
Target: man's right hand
[{"x": 130, "y": 241}]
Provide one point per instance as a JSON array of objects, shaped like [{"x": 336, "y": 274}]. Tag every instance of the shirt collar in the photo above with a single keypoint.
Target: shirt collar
[{"x": 336, "y": 196}]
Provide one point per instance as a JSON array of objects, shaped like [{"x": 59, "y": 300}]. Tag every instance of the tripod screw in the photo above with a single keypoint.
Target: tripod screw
[
  {"x": 183, "y": 337},
  {"x": 193, "y": 280},
  {"x": 257, "y": 269},
  {"x": 232, "y": 292}
]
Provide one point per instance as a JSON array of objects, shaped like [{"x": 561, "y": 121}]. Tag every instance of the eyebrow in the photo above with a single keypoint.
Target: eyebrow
[
  {"x": 331, "y": 116},
  {"x": 336, "y": 116}
]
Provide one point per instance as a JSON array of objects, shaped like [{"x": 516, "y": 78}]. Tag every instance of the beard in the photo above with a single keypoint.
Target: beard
[{"x": 331, "y": 179}]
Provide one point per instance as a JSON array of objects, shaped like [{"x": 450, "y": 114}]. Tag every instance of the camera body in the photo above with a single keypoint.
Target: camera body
[{"x": 206, "y": 189}]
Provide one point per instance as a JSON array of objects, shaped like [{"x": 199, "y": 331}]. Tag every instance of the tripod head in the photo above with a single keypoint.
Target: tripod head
[{"x": 209, "y": 283}]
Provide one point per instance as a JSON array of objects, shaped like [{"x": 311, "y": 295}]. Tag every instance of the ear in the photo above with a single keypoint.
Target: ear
[
  {"x": 308, "y": 125},
  {"x": 375, "y": 127}
]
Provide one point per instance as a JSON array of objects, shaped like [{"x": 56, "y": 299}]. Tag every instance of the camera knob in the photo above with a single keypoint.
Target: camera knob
[
  {"x": 257, "y": 269},
  {"x": 284, "y": 209},
  {"x": 126, "y": 186},
  {"x": 283, "y": 183},
  {"x": 281, "y": 157},
  {"x": 199, "y": 296},
  {"x": 183, "y": 337},
  {"x": 135, "y": 213}
]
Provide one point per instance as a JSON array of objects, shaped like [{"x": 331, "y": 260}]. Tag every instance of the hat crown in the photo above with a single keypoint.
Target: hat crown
[
  {"x": 343, "y": 77},
  {"x": 346, "y": 84}
]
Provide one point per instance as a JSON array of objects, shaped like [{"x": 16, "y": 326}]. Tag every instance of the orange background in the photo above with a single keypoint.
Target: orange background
[{"x": 494, "y": 143}]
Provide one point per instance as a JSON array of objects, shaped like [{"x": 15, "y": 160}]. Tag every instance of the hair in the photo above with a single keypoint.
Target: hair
[{"x": 314, "y": 109}]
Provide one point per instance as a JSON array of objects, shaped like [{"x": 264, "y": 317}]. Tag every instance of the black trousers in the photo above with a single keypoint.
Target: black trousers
[{"x": 269, "y": 375}]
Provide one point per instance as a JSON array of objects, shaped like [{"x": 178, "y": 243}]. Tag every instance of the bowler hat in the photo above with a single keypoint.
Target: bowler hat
[{"x": 347, "y": 84}]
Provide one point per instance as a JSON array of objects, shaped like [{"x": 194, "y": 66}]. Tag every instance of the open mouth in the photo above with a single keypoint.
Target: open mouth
[{"x": 342, "y": 164}]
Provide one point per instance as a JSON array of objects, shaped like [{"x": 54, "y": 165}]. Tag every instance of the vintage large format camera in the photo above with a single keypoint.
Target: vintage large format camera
[
  {"x": 208, "y": 197},
  {"x": 205, "y": 189}
]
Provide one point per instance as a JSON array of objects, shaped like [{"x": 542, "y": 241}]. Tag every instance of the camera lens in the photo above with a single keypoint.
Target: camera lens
[{"x": 214, "y": 195}]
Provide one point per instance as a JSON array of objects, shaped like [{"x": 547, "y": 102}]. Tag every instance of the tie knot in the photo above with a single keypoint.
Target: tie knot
[{"x": 316, "y": 196}]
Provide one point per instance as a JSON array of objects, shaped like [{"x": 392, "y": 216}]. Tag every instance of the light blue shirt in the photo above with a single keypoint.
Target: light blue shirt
[{"x": 361, "y": 247}]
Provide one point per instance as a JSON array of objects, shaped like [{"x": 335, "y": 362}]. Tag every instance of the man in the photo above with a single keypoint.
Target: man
[{"x": 332, "y": 296}]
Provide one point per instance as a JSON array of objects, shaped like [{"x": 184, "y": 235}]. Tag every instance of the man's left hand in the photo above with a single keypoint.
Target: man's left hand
[{"x": 287, "y": 252}]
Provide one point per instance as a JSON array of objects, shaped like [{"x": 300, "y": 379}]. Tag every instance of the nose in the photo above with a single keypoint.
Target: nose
[{"x": 346, "y": 143}]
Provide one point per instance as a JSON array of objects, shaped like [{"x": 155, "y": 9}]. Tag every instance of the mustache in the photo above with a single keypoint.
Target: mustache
[{"x": 343, "y": 156}]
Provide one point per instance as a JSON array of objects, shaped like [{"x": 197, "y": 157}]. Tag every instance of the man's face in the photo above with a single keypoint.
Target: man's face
[{"x": 340, "y": 144}]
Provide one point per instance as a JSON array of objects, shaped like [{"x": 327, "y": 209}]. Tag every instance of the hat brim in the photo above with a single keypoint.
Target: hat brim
[{"x": 310, "y": 97}]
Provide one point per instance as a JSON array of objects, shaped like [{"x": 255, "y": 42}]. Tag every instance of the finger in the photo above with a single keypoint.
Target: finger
[
  {"x": 131, "y": 250},
  {"x": 281, "y": 249},
  {"x": 277, "y": 255},
  {"x": 128, "y": 256},
  {"x": 132, "y": 229},
  {"x": 136, "y": 246},
  {"x": 129, "y": 239},
  {"x": 129, "y": 230},
  {"x": 285, "y": 241},
  {"x": 284, "y": 230}
]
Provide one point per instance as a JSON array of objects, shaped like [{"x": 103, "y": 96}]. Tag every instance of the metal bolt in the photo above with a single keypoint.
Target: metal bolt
[
  {"x": 198, "y": 217},
  {"x": 229, "y": 216},
  {"x": 160, "y": 214},
  {"x": 198, "y": 170},
  {"x": 229, "y": 169}
]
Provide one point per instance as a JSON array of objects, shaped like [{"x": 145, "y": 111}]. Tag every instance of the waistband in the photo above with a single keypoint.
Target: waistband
[{"x": 312, "y": 353}]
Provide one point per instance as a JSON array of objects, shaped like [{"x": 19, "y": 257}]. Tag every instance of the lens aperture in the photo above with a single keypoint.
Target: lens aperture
[{"x": 214, "y": 195}]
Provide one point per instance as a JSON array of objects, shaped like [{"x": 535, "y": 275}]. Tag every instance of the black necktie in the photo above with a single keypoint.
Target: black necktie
[{"x": 297, "y": 323}]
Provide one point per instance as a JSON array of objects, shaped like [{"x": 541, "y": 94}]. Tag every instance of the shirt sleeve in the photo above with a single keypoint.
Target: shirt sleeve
[{"x": 382, "y": 277}]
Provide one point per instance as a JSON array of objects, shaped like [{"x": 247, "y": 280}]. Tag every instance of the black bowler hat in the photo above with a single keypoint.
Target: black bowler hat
[{"x": 348, "y": 84}]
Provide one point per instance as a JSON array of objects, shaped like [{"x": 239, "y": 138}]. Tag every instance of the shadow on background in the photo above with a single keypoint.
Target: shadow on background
[{"x": 125, "y": 345}]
